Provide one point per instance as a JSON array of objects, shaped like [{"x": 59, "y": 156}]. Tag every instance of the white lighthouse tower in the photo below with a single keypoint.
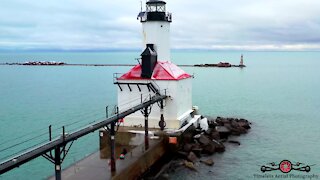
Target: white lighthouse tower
[
  {"x": 156, "y": 74},
  {"x": 156, "y": 28}
]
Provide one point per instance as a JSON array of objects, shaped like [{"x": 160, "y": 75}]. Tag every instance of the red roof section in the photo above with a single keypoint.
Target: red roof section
[{"x": 162, "y": 71}]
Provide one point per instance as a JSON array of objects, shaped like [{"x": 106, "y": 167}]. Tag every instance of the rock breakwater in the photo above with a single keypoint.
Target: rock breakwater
[{"x": 196, "y": 145}]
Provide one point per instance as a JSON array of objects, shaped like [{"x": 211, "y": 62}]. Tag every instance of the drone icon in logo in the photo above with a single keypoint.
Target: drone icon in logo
[{"x": 286, "y": 166}]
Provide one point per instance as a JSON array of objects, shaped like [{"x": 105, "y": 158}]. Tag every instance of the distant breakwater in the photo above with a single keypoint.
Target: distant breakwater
[{"x": 46, "y": 63}]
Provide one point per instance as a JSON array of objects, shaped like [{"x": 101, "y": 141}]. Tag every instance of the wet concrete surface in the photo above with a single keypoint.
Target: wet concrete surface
[{"x": 94, "y": 168}]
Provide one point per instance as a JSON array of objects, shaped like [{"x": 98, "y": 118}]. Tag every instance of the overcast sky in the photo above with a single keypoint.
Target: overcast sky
[{"x": 208, "y": 24}]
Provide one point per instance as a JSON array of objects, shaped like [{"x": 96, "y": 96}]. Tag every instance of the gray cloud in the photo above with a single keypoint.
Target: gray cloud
[{"x": 101, "y": 24}]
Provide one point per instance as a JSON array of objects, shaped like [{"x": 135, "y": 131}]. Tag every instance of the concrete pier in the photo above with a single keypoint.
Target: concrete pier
[{"x": 136, "y": 161}]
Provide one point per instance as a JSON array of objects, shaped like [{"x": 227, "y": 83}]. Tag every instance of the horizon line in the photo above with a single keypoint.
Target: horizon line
[{"x": 138, "y": 50}]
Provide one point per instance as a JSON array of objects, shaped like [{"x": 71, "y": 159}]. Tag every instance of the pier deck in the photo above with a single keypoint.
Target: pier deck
[{"x": 135, "y": 162}]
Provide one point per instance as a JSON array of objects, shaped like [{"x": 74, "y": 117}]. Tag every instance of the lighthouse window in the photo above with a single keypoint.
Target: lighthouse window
[
  {"x": 156, "y": 8},
  {"x": 161, "y": 8},
  {"x": 152, "y": 8}
]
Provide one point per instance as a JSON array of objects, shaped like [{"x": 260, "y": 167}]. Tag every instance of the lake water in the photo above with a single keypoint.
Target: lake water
[{"x": 278, "y": 92}]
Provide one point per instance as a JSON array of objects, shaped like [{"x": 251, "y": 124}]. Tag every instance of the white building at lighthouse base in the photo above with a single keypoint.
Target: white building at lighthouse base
[{"x": 170, "y": 80}]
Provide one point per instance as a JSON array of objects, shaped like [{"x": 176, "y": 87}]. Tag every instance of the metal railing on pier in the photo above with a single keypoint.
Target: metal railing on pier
[{"x": 59, "y": 145}]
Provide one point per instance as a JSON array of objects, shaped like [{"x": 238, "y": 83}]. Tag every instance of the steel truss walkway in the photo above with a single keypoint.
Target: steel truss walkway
[{"x": 60, "y": 146}]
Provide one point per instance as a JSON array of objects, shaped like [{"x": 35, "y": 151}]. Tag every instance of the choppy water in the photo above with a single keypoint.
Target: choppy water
[{"x": 278, "y": 92}]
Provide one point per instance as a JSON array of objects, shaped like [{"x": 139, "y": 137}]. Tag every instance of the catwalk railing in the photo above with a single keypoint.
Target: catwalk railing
[{"x": 62, "y": 141}]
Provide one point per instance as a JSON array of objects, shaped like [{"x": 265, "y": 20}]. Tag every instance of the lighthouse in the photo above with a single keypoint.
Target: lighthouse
[
  {"x": 241, "y": 62},
  {"x": 156, "y": 74},
  {"x": 156, "y": 28}
]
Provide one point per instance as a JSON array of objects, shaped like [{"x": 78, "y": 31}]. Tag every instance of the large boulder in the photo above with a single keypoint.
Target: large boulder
[
  {"x": 209, "y": 148},
  {"x": 220, "y": 121},
  {"x": 215, "y": 135},
  {"x": 223, "y": 131},
  {"x": 219, "y": 147},
  {"x": 192, "y": 157},
  {"x": 190, "y": 165},
  {"x": 182, "y": 154},
  {"x": 242, "y": 130},
  {"x": 228, "y": 126},
  {"x": 187, "y": 147},
  {"x": 204, "y": 140},
  {"x": 244, "y": 123},
  {"x": 234, "y": 128},
  {"x": 212, "y": 147},
  {"x": 208, "y": 162},
  {"x": 234, "y": 124},
  {"x": 196, "y": 149},
  {"x": 238, "y": 130},
  {"x": 187, "y": 136},
  {"x": 208, "y": 132}
]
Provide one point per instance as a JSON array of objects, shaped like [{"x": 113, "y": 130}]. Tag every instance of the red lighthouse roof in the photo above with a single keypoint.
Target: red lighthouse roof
[{"x": 162, "y": 71}]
